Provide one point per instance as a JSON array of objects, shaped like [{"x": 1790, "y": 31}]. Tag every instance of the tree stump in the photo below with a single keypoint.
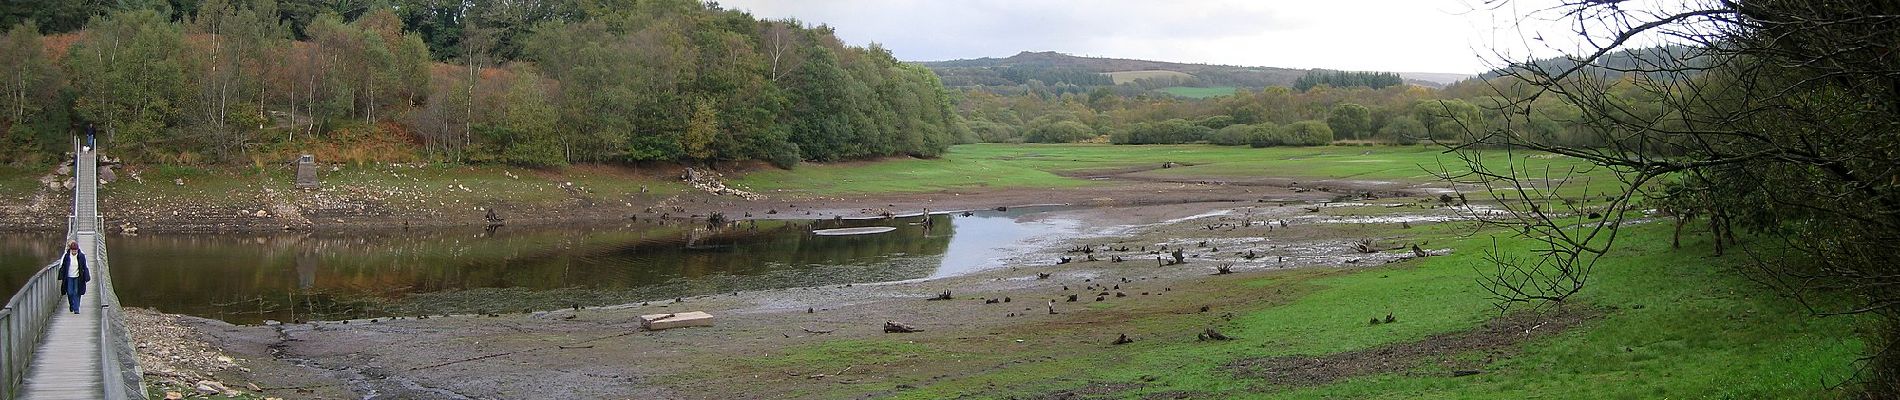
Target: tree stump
[
  {"x": 1212, "y": 334},
  {"x": 895, "y": 327}
]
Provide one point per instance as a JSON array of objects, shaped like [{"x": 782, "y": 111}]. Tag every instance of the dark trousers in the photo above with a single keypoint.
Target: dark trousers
[{"x": 72, "y": 294}]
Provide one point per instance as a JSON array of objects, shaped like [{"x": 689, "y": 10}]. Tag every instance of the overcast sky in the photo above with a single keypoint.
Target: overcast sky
[{"x": 1382, "y": 35}]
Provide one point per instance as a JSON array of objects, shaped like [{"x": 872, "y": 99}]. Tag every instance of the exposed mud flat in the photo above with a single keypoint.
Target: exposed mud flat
[
  {"x": 1467, "y": 212},
  {"x": 1498, "y": 338},
  {"x": 598, "y": 352},
  {"x": 1115, "y": 260}
]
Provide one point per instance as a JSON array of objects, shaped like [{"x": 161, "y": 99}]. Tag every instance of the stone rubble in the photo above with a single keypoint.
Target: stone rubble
[
  {"x": 172, "y": 357},
  {"x": 711, "y": 182}
]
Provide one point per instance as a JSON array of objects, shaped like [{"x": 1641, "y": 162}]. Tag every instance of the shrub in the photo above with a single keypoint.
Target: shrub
[
  {"x": 1232, "y": 135},
  {"x": 1215, "y": 121},
  {"x": 1173, "y": 131},
  {"x": 1060, "y": 132},
  {"x": 1310, "y": 132},
  {"x": 1265, "y": 134},
  {"x": 1402, "y": 130},
  {"x": 991, "y": 132}
]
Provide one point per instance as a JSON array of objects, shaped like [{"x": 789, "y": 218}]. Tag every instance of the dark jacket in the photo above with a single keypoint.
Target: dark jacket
[{"x": 85, "y": 274}]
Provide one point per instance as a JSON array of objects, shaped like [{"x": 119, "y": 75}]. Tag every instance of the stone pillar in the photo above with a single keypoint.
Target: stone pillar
[{"x": 307, "y": 172}]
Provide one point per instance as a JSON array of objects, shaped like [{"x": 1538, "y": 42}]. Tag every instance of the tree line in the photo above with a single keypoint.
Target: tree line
[
  {"x": 1770, "y": 121},
  {"x": 1012, "y": 76},
  {"x": 1373, "y": 80},
  {"x": 1273, "y": 116},
  {"x": 563, "y": 82}
]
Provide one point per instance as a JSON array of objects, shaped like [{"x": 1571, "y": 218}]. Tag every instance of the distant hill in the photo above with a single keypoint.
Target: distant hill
[
  {"x": 974, "y": 72},
  {"x": 1050, "y": 59},
  {"x": 1053, "y": 68},
  {"x": 1618, "y": 62},
  {"x": 1435, "y": 78}
]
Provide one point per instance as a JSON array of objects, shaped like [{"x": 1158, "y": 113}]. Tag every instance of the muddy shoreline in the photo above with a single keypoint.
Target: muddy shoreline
[
  {"x": 599, "y": 352},
  {"x": 255, "y": 207}
]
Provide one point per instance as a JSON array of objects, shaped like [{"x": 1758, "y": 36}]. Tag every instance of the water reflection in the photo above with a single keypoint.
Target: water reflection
[
  {"x": 988, "y": 235},
  {"x": 247, "y": 278},
  {"x": 22, "y": 254}
]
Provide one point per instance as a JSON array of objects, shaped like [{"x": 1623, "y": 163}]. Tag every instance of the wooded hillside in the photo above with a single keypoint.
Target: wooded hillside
[
  {"x": 526, "y": 83},
  {"x": 1054, "y": 68}
]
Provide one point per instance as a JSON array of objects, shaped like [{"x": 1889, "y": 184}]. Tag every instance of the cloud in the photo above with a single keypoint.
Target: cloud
[{"x": 1390, "y": 35}]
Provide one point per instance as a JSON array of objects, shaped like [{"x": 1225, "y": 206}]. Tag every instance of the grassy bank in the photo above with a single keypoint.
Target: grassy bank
[
  {"x": 218, "y": 198},
  {"x": 1199, "y": 92},
  {"x": 1673, "y": 324},
  {"x": 17, "y": 182},
  {"x": 980, "y": 166},
  {"x": 966, "y": 168}
]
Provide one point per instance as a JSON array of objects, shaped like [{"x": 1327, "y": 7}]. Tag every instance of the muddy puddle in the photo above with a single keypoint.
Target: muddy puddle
[{"x": 250, "y": 278}]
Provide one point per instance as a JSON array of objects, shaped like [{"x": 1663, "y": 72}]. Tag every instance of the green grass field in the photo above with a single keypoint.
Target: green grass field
[
  {"x": 19, "y": 182},
  {"x": 971, "y": 167},
  {"x": 981, "y": 166},
  {"x": 493, "y": 183},
  {"x": 1121, "y": 77},
  {"x": 957, "y": 171},
  {"x": 1199, "y": 92},
  {"x": 1674, "y": 324},
  {"x": 200, "y": 183},
  {"x": 1688, "y": 330}
]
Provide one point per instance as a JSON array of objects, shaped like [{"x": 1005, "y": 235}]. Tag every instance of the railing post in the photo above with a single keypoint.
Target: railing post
[{"x": 7, "y": 363}]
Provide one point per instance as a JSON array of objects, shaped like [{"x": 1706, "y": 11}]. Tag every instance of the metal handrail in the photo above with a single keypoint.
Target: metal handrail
[
  {"x": 24, "y": 319},
  {"x": 118, "y": 359},
  {"x": 118, "y": 362},
  {"x": 22, "y": 322}
]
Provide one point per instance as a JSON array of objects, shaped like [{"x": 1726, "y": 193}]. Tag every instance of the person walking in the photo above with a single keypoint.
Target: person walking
[
  {"x": 73, "y": 275},
  {"x": 91, "y": 132}
]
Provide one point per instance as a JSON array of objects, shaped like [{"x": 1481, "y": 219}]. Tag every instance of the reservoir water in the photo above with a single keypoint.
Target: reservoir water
[{"x": 249, "y": 278}]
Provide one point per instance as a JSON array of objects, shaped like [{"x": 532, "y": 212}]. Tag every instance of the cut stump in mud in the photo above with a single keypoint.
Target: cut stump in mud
[
  {"x": 896, "y": 327},
  {"x": 1211, "y": 334}
]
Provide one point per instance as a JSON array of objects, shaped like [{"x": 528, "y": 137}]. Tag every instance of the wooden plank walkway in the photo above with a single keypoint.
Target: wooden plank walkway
[{"x": 66, "y": 364}]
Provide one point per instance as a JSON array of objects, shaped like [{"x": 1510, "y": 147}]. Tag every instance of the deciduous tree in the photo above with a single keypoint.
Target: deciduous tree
[{"x": 1350, "y": 120}]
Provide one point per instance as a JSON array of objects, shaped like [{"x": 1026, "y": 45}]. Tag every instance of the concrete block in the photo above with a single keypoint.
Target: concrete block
[{"x": 654, "y": 322}]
